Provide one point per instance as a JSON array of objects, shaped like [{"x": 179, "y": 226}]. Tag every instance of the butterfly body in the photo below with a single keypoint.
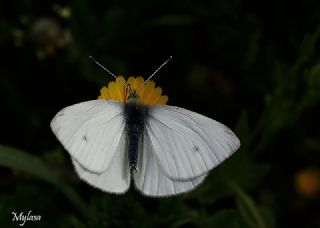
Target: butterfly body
[{"x": 135, "y": 113}]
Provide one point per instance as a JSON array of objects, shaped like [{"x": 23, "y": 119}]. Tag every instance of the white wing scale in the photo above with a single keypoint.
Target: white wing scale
[
  {"x": 90, "y": 131},
  {"x": 152, "y": 181},
  {"x": 116, "y": 179},
  {"x": 188, "y": 144}
]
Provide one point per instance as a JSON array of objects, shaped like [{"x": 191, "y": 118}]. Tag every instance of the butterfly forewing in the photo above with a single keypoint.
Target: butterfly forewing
[
  {"x": 188, "y": 144},
  {"x": 90, "y": 131}
]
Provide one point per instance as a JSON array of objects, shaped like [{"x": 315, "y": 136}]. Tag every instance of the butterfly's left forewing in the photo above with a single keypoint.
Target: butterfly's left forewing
[{"x": 187, "y": 144}]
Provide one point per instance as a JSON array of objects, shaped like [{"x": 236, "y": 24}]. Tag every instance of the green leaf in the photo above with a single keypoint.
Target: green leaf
[
  {"x": 245, "y": 214},
  {"x": 240, "y": 169},
  {"x": 179, "y": 214},
  {"x": 314, "y": 77},
  {"x": 247, "y": 207},
  {"x": 226, "y": 218},
  {"x": 306, "y": 49},
  {"x": 307, "y": 46},
  {"x": 268, "y": 216},
  {"x": 21, "y": 161}
]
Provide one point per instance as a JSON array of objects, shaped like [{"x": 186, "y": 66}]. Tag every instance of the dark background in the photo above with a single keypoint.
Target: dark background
[{"x": 253, "y": 66}]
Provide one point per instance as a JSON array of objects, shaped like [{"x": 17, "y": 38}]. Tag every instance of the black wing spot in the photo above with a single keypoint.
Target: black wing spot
[
  {"x": 61, "y": 114},
  {"x": 85, "y": 138},
  {"x": 196, "y": 148}
]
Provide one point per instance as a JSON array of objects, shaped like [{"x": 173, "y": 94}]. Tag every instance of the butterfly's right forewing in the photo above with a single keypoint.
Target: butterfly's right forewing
[{"x": 188, "y": 144}]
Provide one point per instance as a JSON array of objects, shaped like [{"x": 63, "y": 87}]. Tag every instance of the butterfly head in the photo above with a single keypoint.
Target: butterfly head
[
  {"x": 133, "y": 96},
  {"x": 133, "y": 89}
]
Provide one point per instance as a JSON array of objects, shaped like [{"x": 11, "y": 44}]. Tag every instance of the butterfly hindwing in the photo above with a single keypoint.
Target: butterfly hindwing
[
  {"x": 116, "y": 178},
  {"x": 152, "y": 181}
]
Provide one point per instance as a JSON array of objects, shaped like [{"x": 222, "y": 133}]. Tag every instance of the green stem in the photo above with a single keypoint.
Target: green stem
[{"x": 249, "y": 203}]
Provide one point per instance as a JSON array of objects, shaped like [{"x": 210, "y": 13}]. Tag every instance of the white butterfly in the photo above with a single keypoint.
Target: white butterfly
[{"x": 166, "y": 150}]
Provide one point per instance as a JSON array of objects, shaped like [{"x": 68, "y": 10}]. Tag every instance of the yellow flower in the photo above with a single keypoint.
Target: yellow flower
[{"x": 148, "y": 93}]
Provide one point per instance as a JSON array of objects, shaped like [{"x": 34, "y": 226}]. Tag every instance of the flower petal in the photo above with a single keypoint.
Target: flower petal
[
  {"x": 163, "y": 100},
  {"x": 153, "y": 96},
  {"x": 148, "y": 87},
  {"x": 117, "y": 90},
  {"x": 104, "y": 93}
]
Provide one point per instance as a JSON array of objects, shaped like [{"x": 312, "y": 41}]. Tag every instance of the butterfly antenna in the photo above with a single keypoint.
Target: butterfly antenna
[
  {"x": 165, "y": 62},
  {"x": 94, "y": 60}
]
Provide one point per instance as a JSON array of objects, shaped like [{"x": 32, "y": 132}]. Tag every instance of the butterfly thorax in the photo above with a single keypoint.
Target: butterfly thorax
[
  {"x": 135, "y": 115},
  {"x": 134, "y": 98}
]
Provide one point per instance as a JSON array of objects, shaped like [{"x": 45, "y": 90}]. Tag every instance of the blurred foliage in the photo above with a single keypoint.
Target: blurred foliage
[{"x": 254, "y": 67}]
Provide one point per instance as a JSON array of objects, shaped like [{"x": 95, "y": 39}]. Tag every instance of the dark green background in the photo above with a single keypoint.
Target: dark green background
[{"x": 253, "y": 66}]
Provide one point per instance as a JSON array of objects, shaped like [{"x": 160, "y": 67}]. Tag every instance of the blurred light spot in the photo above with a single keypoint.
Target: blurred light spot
[
  {"x": 44, "y": 30},
  {"x": 18, "y": 36},
  {"x": 307, "y": 182},
  {"x": 62, "y": 11},
  {"x": 65, "y": 39},
  {"x": 17, "y": 33},
  {"x": 48, "y": 35},
  {"x": 24, "y": 19}
]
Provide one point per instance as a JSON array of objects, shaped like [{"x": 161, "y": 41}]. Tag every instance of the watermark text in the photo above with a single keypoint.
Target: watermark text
[{"x": 22, "y": 218}]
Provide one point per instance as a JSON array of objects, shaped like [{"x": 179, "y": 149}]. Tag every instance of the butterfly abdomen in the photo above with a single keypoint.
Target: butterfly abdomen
[{"x": 135, "y": 114}]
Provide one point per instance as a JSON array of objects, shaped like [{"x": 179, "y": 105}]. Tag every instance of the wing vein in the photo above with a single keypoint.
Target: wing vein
[{"x": 150, "y": 129}]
